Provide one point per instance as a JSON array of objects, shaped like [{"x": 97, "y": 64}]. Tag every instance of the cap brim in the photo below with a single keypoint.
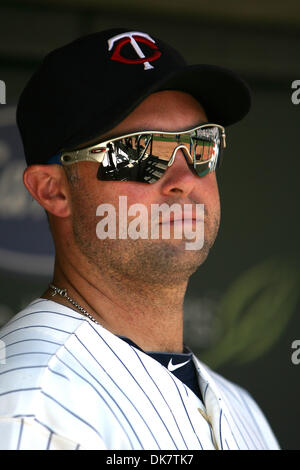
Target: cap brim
[{"x": 225, "y": 97}]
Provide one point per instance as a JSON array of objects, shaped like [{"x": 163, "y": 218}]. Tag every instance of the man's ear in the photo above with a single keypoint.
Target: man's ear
[{"x": 48, "y": 185}]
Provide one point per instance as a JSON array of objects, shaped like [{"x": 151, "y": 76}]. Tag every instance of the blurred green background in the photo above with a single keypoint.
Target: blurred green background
[{"x": 242, "y": 305}]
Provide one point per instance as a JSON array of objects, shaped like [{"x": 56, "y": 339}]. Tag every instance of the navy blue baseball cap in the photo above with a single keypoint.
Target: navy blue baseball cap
[{"x": 85, "y": 88}]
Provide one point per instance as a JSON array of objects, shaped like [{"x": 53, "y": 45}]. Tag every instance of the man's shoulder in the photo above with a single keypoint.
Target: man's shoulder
[
  {"x": 221, "y": 383},
  {"x": 231, "y": 392},
  {"x": 29, "y": 343},
  {"x": 239, "y": 405},
  {"x": 41, "y": 379},
  {"x": 41, "y": 318}
]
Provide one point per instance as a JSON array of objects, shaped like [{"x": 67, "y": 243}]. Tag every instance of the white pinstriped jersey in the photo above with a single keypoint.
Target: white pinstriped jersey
[{"x": 68, "y": 383}]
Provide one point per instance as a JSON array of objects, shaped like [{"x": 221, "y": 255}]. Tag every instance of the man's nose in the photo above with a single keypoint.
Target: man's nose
[{"x": 179, "y": 177}]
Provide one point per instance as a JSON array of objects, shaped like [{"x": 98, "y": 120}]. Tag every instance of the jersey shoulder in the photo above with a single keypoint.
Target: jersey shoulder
[
  {"x": 242, "y": 407},
  {"x": 29, "y": 344},
  {"x": 36, "y": 383}
]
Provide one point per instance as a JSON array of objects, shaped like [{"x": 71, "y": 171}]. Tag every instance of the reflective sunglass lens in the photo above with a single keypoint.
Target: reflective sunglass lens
[{"x": 145, "y": 157}]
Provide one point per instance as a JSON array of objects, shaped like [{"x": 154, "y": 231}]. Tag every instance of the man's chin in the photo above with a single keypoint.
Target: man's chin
[
  {"x": 166, "y": 261},
  {"x": 144, "y": 260}
]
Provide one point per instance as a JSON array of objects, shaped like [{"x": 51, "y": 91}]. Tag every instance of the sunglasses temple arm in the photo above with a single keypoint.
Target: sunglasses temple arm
[{"x": 224, "y": 139}]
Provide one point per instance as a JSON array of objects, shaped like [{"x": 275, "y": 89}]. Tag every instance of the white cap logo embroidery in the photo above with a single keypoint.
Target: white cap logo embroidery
[{"x": 134, "y": 37}]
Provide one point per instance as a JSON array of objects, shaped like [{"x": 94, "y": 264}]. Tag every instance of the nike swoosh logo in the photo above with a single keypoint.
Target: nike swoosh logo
[{"x": 172, "y": 367}]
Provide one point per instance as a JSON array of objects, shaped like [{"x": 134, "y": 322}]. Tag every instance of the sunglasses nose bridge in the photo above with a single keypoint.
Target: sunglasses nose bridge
[{"x": 186, "y": 152}]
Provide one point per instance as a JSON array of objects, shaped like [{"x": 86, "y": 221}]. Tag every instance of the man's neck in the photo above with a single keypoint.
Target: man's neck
[{"x": 151, "y": 316}]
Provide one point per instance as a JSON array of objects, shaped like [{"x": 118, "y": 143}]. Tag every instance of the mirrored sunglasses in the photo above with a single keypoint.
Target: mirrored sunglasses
[{"x": 145, "y": 156}]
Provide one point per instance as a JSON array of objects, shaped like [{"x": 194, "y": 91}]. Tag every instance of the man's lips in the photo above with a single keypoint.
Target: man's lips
[
  {"x": 185, "y": 218},
  {"x": 180, "y": 222}
]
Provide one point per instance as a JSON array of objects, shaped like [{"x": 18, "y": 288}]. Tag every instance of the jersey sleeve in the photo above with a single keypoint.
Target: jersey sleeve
[
  {"x": 26, "y": 433},
  {"x": 261, "y": 421}
]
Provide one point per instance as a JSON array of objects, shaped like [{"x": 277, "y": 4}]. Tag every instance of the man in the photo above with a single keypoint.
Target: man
[{"x": 98, "y": 361}]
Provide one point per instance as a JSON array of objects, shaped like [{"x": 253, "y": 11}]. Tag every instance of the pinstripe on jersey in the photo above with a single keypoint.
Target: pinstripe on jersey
[{"x": 71, "y": 384}]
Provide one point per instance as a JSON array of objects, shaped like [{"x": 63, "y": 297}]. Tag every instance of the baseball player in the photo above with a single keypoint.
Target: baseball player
[{"x": 98, "y": 361}]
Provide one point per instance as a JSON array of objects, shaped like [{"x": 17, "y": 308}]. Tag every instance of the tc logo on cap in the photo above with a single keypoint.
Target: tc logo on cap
[{"x": 134, "y": 37}]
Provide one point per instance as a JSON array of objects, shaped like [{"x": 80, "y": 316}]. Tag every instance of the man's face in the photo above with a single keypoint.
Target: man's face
[{"x": 156, "y": 260}]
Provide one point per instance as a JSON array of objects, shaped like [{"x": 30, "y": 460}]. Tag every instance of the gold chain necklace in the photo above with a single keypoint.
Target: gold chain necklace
[{"x": 63, "y": 293}]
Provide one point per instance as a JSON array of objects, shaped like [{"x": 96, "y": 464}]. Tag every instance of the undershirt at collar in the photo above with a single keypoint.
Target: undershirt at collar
[{"x": 186, "y": 372}]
